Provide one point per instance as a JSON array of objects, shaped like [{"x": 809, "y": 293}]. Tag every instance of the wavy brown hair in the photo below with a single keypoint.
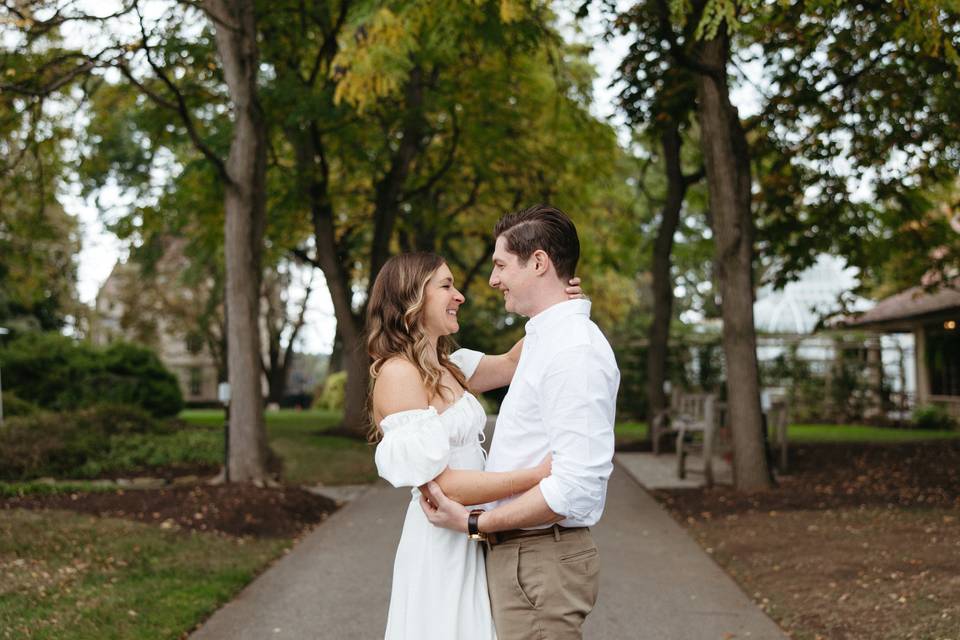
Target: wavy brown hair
[{"x": 395, "y": 326}]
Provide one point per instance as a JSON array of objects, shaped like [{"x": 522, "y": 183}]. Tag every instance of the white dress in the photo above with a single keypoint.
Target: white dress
[{"x": 439, "y": 580}]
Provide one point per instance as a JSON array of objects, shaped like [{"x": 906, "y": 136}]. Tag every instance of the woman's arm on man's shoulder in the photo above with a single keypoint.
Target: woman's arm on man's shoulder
[{"x": 495, "y": 371}]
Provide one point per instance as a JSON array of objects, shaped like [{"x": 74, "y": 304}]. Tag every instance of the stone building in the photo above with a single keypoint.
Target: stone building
[
  {"x": 160, "y": 313},
  {"x": 182, "y": 352}
]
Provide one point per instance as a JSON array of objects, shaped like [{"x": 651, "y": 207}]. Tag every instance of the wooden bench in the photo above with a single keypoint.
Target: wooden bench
[
  {"x": 690, "y": 414},
  {"x": 694, "y": 419}
]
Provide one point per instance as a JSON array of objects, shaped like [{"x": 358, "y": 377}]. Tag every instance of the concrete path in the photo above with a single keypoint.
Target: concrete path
[
  {"x": 656, "y": 582},
  {"x": 660, "y": 471}
]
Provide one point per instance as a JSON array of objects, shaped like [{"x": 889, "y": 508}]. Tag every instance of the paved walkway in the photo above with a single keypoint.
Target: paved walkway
[
  {"x": 656, "y": 582},
  {"x": 660, "y": 472}
]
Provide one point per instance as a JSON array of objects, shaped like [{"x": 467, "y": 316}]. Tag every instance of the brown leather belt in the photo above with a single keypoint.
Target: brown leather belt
[{"x": 503, "y": 536}]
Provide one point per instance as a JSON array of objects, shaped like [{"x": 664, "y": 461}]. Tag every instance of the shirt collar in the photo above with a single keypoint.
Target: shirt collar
[{"x": 557, "y": 313}]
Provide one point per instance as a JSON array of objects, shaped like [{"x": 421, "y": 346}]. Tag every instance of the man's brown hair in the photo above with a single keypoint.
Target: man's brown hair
[{"x": 546, "y": 228}]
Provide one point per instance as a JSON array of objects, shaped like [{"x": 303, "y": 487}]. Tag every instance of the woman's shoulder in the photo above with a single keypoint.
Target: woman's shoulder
[
  {"x": 398, "y": 367},
  {"x": 399, "y": 387}
]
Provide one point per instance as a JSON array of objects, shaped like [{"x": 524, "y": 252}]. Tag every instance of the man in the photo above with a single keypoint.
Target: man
[{"x": 542, "y": 564}]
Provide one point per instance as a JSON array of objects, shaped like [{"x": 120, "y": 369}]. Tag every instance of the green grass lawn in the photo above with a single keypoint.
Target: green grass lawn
[
  {"x": 309, "y": 455},
  {"x": 862, "y": 433},
  {"x": 631, "y": 432},
  {"x": 75, "y": 576}
]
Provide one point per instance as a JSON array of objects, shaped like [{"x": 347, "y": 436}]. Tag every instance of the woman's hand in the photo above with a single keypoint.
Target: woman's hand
[
  {"x": 574, "y": 291},
  {"x": 543, "y": 469}
]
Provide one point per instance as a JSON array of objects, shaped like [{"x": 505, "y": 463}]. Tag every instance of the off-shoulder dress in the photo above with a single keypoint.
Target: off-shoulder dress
[{"x": 439, "y": 589}]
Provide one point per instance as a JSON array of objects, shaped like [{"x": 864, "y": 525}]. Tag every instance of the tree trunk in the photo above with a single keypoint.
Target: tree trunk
[
  {"x": 244, "y": 203},
  {"x": 727, "y": 160},
  {"x": 276, "y": 382},
  {"x": 662, "y": 281},
  {"x": 357, "y": 365},
  {"x": 349, "y": 324},
  {"x": 313, "y": 173},
  {"x": 336, "y": 354}
]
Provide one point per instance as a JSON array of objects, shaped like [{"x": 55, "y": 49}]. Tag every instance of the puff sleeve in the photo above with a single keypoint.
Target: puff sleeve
[
  {"x": 415, "y": 447},
  {"x": 468, "y": 360}
]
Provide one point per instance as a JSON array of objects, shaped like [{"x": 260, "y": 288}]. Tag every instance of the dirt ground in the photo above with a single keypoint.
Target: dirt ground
[
  {"x": 235, "y": 509},
  {"x": 860, "y": 542}
]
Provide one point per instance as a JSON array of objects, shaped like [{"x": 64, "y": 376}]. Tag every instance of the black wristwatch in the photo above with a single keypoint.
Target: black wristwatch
[{"x": 473, "y": 525}]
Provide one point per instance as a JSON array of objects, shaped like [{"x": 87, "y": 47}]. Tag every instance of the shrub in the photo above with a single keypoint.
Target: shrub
[
  {"x": 334, "y": 391},
  {"x": 933, "y": 417},
  {"x": 14, "y": 406},
  {"x": 106, "y": 438},
  {"x": 58, "y": 373}
]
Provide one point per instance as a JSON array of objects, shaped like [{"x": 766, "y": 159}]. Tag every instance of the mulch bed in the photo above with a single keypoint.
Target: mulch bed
[
  {"x": 830, "y": 476},
  {"x": 860, "y": 542},
  {"x": 235, "y": 509}
]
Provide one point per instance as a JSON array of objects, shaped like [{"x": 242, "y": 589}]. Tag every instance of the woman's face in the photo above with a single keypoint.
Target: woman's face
[{"x": 442, "y": 301}]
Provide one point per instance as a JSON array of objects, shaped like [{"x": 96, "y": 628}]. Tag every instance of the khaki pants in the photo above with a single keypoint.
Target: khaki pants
[{"x": 542, "y": 587}]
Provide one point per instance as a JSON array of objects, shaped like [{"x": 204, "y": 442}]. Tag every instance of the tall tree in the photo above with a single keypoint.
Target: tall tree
[
  {"x": 402, "y": 136},
  {"x": 696, "y": 38},
  {"x": 39, "y": 242},
  {"x": 726, "y": 156},
  {"x": 659, "y": 98}
]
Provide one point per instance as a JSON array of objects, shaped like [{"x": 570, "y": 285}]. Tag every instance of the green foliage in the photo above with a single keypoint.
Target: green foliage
[
  {"x": 876, "y": 86},
  {"x": 58, "y": 373},
  {"x": 933, "y": 417},
  {"x": 868, "y": 86},
  {"x": 104, "y": 439},
  {"x": 805, "y": 392},
  {"x": 47, "y": 488},
  {"x": 839, "y": 395},
  {"x": 331, "y": 398},
  {"x": 14, "y": 406},
  {"x": 38, "y": 240}
]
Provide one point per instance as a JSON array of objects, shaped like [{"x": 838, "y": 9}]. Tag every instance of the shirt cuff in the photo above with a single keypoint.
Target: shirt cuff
[
  {"x": 554, "y": 496},
  {"x": 467, "y": 360}
]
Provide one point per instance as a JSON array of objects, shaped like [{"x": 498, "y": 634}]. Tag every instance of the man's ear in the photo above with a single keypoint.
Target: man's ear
[{"x": 541, "y": 262}]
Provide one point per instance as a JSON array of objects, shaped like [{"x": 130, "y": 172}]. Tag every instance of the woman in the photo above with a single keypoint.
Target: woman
[{"x": 430, "y": 427}]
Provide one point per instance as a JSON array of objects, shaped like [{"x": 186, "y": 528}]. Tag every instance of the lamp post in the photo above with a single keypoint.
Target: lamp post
[
  {"x": 3, "y": 331},
  {"x": 223, "y": 394}
]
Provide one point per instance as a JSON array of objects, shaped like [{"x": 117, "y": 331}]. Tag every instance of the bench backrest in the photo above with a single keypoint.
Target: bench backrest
[{"x": 696, "y": 409}]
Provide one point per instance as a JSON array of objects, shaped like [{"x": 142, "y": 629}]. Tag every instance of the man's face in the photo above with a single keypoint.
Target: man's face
[{"x": 512, "y": 278}]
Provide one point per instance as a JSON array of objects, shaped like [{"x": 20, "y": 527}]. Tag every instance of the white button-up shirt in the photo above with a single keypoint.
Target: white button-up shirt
[{"x": 561, "y": 401}]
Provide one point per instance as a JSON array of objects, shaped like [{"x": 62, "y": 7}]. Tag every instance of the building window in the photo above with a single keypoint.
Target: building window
[
  {"x": 194, "y": 343},
  {"x": 943, "y": 361},
  {"x": 196, "y": 381}
]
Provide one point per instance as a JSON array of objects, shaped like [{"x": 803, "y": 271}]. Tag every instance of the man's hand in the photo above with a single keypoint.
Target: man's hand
[{"x": 441, "y": 511}]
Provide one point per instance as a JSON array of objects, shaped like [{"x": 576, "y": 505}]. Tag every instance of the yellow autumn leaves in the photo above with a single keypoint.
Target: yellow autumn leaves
[{"x": 374, "y": 61}]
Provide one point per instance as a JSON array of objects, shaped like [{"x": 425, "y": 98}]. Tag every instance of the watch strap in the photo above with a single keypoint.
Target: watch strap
[{"x": 473, "y": 524}]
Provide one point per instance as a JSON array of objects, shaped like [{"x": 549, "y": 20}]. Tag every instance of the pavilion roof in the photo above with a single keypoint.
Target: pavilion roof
[{"x": 915, "y": 303}]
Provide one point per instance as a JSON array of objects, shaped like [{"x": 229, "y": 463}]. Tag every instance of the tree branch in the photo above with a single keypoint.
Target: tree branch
[
  {"x": 676, "y": 50},
  {"x": 180, "y": 106},
  {"x": 447, "y": 163}
]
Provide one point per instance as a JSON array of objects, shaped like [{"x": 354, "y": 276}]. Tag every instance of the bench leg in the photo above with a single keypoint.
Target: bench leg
[
  {"x": 708, "y": 459},
  {"x": 681, "y": 456}
]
